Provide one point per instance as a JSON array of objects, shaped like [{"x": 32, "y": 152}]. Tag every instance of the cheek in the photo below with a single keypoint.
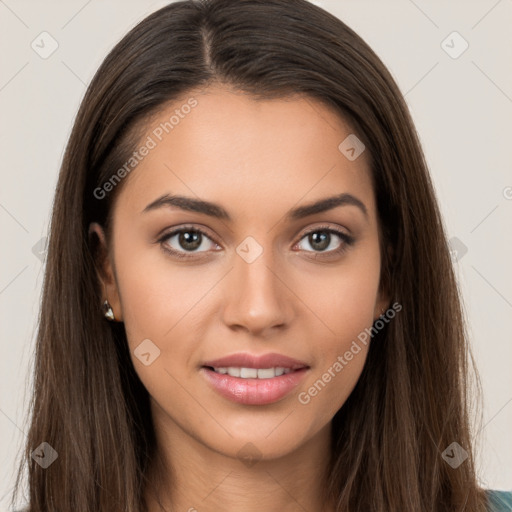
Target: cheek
[
  {"x": 157, "y": 294},
  {"x": 344, "y": 298},
  {"x": 329, "y": 387},
  {"x": 340, "y": 359},
  {"x": 344, "y": 302},
  {"x": 164, "y": 303}
]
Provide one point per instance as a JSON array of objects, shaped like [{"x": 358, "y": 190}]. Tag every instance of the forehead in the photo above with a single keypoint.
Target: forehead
[{"x": 228, "y": 147}]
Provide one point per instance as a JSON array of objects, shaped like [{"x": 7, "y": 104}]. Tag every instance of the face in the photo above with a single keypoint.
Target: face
[{"x": 257, "y": 278}]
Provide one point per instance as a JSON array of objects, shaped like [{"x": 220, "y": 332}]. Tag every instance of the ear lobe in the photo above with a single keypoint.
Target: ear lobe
[{"x": 104, "y": 268}]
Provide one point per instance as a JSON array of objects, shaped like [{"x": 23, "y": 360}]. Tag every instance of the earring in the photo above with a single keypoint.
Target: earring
[{"x": 108, "y": 311}]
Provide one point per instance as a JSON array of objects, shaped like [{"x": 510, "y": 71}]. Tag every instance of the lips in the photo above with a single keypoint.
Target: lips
[
  {"x": 254, "y": 380},
  {"x": 245, "y": 360}
]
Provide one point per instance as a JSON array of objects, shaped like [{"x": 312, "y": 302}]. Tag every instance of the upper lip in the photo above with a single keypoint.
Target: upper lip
[{"x": 245, "y": 360}]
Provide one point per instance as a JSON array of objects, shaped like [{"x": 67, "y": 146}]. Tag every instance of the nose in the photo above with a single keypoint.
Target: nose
[{"x": 258, "y": 298}]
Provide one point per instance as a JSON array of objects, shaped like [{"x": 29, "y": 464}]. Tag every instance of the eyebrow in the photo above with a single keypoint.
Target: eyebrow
[{"x": 217, "y": 211}]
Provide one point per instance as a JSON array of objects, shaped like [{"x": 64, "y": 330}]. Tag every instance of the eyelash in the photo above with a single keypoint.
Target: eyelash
[{"x": 347, "y": 241}]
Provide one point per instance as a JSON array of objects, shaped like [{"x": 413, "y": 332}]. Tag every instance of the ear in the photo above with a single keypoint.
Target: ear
[
  {"x": 105, "y": 269},
  {"x": 384, "y": 296},
  {"x": 381, "y": 305}
]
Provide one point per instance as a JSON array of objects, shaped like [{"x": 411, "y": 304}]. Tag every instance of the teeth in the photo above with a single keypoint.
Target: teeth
[
  {"x": 234, "y": 372},
  {"x": 248, "y": 373},
  {"x": 266, "y": 373},
  {"x": 253, "y": 373}
]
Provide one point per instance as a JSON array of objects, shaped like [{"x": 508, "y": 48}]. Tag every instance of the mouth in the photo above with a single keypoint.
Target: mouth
[
  {"x": 254, "y": 380},
  {"x": 251, "y": 373},
  {"x": 245, "y": 365}
]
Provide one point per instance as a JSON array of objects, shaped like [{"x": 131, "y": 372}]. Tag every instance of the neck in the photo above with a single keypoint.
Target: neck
[{"x": 192, "y": 477}]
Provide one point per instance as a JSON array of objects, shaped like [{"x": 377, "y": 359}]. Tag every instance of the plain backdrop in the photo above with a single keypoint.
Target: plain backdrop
[{"x": 460, "y": 99}]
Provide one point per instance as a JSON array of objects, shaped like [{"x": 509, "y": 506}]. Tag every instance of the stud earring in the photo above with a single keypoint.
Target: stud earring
[{"x": 108, "y": 311}]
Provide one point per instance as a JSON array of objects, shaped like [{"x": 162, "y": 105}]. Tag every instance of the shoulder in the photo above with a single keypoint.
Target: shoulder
[{"x": 499, "y": 501}]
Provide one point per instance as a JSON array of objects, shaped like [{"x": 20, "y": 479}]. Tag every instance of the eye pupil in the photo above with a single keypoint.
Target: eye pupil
[
  {"x": 189, "y": 239},
  {"x": 320, "y": 242}
]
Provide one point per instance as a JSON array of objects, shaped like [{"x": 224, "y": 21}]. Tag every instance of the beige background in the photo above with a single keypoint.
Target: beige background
[{"x": 462, "y": 108}]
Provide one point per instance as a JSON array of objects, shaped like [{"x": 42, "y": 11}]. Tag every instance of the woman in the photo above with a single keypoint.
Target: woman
[{"x": 249, "y": 302}]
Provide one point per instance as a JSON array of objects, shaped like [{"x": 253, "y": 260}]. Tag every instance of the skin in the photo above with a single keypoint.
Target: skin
[{"x": 258, "y": 160}]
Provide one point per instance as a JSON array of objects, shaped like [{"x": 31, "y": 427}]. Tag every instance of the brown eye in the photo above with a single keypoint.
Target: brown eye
[
  {"x": 185, "y": 242},
  {"x": 327, "y": 240},
  {"x": 319, "y": 240},
  {"x": 189, "y": 240}
]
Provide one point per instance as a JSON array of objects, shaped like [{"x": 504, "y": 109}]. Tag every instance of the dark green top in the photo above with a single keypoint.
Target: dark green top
[{"x": 500, "y": 501}]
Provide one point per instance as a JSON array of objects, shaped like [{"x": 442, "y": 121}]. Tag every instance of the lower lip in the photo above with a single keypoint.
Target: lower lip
[{"x": 254, "y": 391}]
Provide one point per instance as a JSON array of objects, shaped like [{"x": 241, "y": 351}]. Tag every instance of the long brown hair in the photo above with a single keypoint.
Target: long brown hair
[{"x": 411, "y": 401}]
